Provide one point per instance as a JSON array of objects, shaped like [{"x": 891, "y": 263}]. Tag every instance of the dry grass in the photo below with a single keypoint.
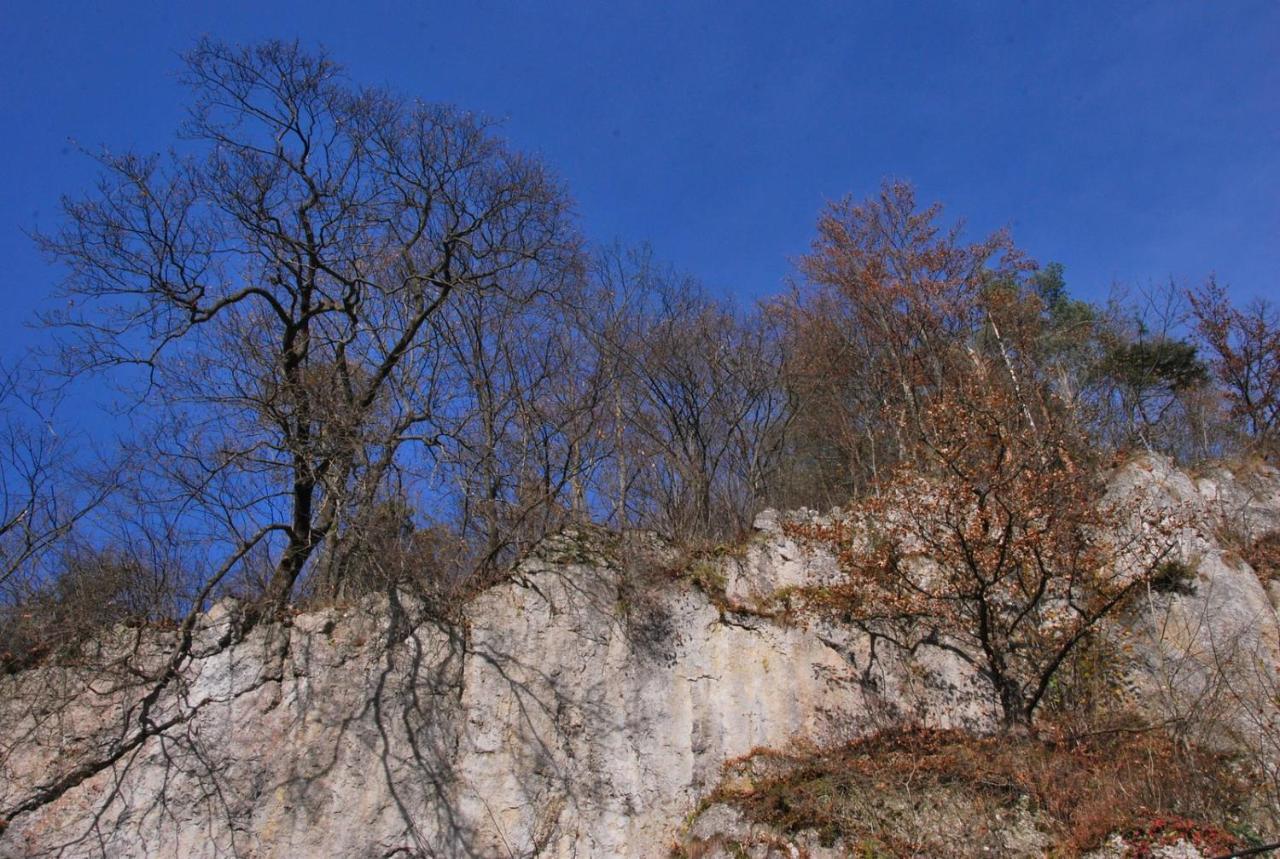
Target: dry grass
[
  {"x": 1261, "y": 551},
  {"x": 920, "y": 792},
  {"x": 1263, "y": 554}
]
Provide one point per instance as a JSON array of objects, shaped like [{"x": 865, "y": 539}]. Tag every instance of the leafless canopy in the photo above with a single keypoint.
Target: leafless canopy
[{"x": 273, "y": 284}]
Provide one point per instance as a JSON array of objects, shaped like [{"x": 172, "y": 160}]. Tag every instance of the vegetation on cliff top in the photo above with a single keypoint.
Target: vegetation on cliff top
[{"x": 364, "y": 346}]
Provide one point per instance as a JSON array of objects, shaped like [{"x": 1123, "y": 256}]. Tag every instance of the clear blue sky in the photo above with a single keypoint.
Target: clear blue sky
[{"x": 1130, "y": 141}]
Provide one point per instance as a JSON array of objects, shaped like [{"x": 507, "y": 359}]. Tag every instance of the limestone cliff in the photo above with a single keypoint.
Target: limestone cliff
[{"x": 567, "y": 712}]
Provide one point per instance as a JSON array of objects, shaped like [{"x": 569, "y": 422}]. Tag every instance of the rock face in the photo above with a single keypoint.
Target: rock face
[
  {"x": 567, "y": 713},
  {"x": 1209, "y": 652}
]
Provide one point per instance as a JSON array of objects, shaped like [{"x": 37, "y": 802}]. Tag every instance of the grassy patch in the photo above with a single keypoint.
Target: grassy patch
[{"x": 947, "y": 793}]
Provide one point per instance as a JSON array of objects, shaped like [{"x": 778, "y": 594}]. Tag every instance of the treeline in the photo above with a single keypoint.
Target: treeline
[{"x": 362, "y": 344}]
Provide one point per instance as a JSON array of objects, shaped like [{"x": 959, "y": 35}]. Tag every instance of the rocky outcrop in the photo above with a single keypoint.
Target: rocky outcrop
[
  {"x": 1206, "y": 652},
  {"x": 567, "y": 712}
]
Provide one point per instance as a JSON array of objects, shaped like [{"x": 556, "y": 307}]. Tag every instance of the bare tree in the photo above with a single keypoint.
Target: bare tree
[
  {"x": 274, "y": 287},
  {"x": 700, "y": 410},
  {"x": 267, "y": 294},
  {"x": 43, "y": 494},
  {"x": 521, "y": 438}
]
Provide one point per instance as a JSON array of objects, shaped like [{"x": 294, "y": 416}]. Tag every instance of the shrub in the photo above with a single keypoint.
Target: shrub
[
  {"x": 92, "y": 590},
  {"x": 1263, "y": 554},
  {"x": 1174, "y": 577},
  {"x": 997, "y": 542},
  {"x": 875, "y": 793}
]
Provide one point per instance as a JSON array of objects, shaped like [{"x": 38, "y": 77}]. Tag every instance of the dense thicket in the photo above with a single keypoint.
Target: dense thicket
[{"x": 365, "y": 346}]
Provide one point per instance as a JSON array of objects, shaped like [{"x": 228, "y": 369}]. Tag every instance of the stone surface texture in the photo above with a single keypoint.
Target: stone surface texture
[{"x": 567, "y": 713}]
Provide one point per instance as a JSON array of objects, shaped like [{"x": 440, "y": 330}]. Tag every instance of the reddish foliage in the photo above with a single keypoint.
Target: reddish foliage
[
  {"x": 1263, "y": 554},
  {"x": 1167, "y": 830},
  {"x": 1131, "y": 780},
  {"x": 992, "y": 544},
  {"x": 1245, "y": 345}
]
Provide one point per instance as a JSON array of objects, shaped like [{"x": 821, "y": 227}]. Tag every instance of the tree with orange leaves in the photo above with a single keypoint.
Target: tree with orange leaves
[
  {"x": 909, "y": 289},
  {"x": 997, "y": 550},
  {"x": 1245, "y": 349},
  {"x": 986, "y": 536},
  {"x": 897, "y": 307}
]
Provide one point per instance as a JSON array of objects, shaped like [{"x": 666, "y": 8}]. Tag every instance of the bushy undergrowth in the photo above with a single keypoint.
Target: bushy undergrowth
[
  {"x": 1263, "y": 554},
  {"x": 93, "y": 591},
  {"x": 916, "y": 792}
]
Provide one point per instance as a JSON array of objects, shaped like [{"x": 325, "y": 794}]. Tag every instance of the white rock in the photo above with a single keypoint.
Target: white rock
[{"x": 555, "y": 719}]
